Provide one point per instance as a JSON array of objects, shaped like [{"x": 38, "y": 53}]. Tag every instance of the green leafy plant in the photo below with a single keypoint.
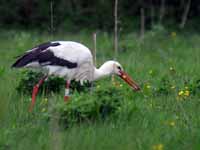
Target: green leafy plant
[
  {"x": 98, "y": 105},
  {"x": 52, "y": 84}
]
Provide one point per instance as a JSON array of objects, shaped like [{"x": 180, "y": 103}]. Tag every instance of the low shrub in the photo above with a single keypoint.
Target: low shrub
[
  {"x": 97, "y": 105},
  {"x": 52, "y": 84}
]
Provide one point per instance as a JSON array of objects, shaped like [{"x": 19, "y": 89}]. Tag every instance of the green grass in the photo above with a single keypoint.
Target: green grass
[{"x": 156, "y": 118}]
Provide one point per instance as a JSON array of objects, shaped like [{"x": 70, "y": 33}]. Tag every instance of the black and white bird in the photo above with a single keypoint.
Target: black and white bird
[{"x": 70, "y": 60}]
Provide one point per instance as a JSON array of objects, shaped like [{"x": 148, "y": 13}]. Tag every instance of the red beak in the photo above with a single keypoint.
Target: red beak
[{"x": 130, "y": 81}]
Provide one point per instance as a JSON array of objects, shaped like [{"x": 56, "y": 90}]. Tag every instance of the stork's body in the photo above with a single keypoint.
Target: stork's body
[
  {"x": 66, "y": 59},
  {"x": 70, "y": 60}
]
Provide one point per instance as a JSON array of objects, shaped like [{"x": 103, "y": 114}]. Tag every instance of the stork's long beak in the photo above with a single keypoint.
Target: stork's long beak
[{"x": 129, "y": 80}]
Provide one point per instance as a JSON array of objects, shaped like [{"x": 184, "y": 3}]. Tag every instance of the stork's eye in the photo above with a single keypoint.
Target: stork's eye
[{"x": 118, "y": 67}]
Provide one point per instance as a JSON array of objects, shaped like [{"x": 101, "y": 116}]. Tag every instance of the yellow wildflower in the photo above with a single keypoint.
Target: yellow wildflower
[
  {"x": 148, "y": 86},
  {"x": 45, "y": 100},
  {"x": 180, "y": 93},
  {"x": 171, "y": 69},
  {"x": 43, "y": 110},
  {"x": 173, "y": 34},
  {"x": 158, "y": 147},
  {"x": 98, "y": 86},
  {"x": 177, "y": 117},
  {"x": 186, "y": 87},
  {"x": 172, "y": 123},
  {"x": 150, "y": 71},
  {"x": 121, "y": 85},
  {"x": 187, "y": 93},
  {"x": 184, "y": 93}
]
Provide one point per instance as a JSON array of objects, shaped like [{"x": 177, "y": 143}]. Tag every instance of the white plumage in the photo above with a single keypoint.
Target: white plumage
[{"x": 73, "y": 52}]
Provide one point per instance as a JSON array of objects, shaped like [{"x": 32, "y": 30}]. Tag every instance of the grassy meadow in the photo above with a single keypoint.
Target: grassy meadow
[{"x": 163, "y": 116}]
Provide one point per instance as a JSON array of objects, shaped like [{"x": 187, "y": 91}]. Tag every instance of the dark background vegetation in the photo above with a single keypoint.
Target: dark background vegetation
[{"x": 75, "y": 15}]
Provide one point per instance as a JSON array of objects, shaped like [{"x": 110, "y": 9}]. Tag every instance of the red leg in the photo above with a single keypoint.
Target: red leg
[
  {"x": 66, "y": 97},
  {"x": 35, "y": 91}
]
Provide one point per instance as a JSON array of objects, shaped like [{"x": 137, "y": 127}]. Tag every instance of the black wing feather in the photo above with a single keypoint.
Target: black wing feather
[
  {"x": 43, "y": 56},
  {"x": 48, "y": 58}
]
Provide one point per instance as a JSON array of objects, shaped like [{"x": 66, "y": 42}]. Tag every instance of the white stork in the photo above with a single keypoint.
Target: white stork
[{"x": 70, "y": 60}]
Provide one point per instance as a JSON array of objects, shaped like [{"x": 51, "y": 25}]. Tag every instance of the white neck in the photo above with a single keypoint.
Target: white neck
[{"x": 103, "y": 71}]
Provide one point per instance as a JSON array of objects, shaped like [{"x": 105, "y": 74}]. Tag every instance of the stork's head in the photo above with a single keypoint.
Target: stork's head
[{"x": 116, "y": 68}]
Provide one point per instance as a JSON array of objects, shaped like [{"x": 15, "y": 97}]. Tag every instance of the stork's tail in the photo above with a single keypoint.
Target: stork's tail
[{"x": 22, "y": 61}]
